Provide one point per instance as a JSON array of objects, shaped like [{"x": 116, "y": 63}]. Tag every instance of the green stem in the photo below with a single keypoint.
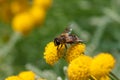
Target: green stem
[
  {"x": 112, "y": 14},
  {"x": 97, "y": 35},
  {"x": 10, "y": 45},
  {"x": 113, "y": 77},
  {"x": 34, "y": 69}
]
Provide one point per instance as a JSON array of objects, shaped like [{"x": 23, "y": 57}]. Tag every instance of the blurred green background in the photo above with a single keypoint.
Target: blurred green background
[{"x": 97, "y": 22}]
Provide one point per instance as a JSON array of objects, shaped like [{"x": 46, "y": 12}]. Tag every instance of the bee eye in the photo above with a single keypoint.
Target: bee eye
[{"x": 56, "y": 42}]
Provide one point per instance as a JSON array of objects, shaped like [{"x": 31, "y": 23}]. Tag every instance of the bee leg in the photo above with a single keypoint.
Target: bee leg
[
  {"x": 61, "y": 46},
  {"x": 58, "y": 48},
  {"x": 64, "y": 45}
]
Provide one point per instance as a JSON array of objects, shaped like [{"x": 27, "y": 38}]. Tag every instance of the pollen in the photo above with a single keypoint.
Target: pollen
[
  {"x": 102, "y": 64},
  {"x": 52, "y": 54},
  {"x": 27, "y": 75},
  {"x": 74, "y": 51},
  {"x": 13, "y": 78},
  {"x": 78, "y": 68}
]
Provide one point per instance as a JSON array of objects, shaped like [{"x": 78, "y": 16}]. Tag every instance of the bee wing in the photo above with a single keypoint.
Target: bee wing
[
  {"x": 68, "y": 30},
  {"x": 75, "y": 38}
]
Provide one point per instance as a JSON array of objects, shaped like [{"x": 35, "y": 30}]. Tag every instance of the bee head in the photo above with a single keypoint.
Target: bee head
[{"x": 56, "y": 42}]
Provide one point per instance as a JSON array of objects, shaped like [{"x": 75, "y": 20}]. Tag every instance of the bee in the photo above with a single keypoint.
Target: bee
[{"x": 66, "y": 38}]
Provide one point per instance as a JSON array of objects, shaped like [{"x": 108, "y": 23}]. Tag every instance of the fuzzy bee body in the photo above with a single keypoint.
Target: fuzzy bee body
[{"x": 66, "y": 38}]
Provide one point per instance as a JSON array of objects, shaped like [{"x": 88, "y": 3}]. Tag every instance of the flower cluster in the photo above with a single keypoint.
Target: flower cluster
[
  {"x": 81, "y": 66},
  {"x": 25, "y": 75},
  {"x": 105, "y": 63},
  {"x": 78, "y": 68},
  {"x": 24, "y": 14},
  {"x": 74, "y": 51},
  {"x": 52, "y": 54},
  {"x": 97, "y": 67}
]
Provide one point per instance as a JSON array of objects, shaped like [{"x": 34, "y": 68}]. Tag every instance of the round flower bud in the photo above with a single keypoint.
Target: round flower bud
[
  {"x": 45, "y": 4},
  {"x": 102, "y": 64},
  {"x": 27, "y": 75},
  {"x": 18, "y": 7},
  {"x": 13, "y": 78},
  {"x": 78, "y": 68},
  {"x": 52, "y": 54},
  {"x": 23, "y": 23},
  {"x": 38, "y": 14},
  {"x": 74, "y": 51}
]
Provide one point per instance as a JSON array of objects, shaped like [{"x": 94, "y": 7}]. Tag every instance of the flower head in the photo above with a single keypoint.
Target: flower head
[
  {"x": 74, "y": 51},
  {"x": 38, "y": 14},
  {"x": 18, "y": 6},
  {"x": 51, "y": 54},
  {"x": 102, "y": 64},
  {"x": 23, "y": 23},
  {"x": 5, "y": 13},
  {"x": 42, "y": 3},
  {"x": 27, "y": 75},
  {"x": 13, "y": 78},
  {"x": 78, "y": 68}
]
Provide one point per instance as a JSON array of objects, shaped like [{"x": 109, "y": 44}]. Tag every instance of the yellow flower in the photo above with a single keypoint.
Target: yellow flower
[
  {"x": 27, "y": 75},
  {"x": 23, "y": 23},
  {"x": 102, "y": 64},
  {"x": 2, "y": 2},
  {"x": 38, "y": 14},
  {"x": 5, "y": 13},
  {"x": 13, "y": 78},
  {"x": 74, "y": 51},
  {"x": 78, "y": 68},
  {"x": 42, "y": 3},
  {"x": 18, "y": 6},
  {"x": 51, "y": 54}
]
